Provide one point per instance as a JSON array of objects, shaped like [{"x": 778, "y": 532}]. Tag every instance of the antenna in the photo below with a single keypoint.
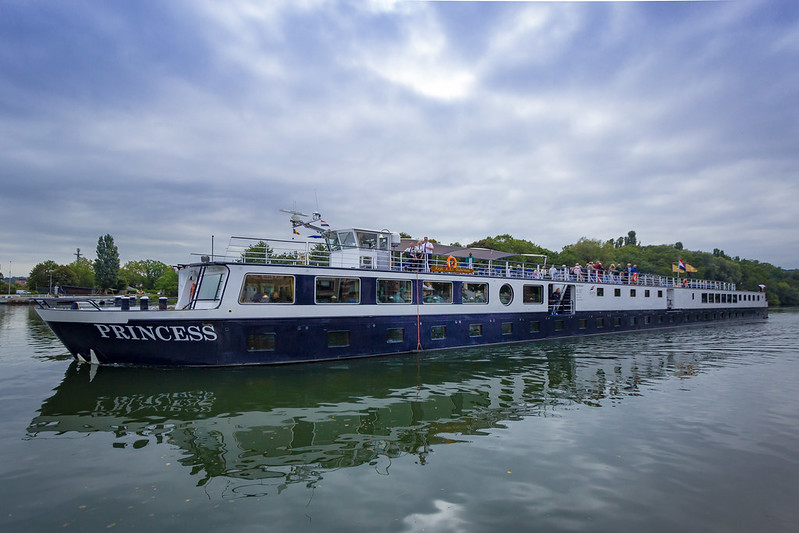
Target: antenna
[{"x": 297, "y": 219}]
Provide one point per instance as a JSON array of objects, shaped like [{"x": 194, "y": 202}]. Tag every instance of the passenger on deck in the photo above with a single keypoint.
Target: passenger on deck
[
  {"x": 416, "y": 257},
  {"x": 618, "y": 273},
  {"x": 577, "y": 270},
  {"x": 553, "y": 272},
  {"x": 427, "y": 251},
  {"x": 554, "y": 301}
]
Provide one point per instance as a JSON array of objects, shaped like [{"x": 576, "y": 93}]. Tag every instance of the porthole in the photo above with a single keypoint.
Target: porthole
[{"x": 506, "y": 294}]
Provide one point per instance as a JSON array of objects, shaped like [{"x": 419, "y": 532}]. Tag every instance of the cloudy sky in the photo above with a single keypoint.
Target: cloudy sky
[{"x": 163, "y": 123}]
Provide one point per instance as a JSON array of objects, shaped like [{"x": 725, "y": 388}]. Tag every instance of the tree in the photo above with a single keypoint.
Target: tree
[
  {"x": 678, "y": 245},
  {"x": 630, "y": 239},
  {"x": 256, "y": 253},
  {"x": 84, "y": 271},
  {"x": 106, "y": 266},
  {"x": 45, "y": 276},
  {"x": 167, "y": 283},
  {"x": 143, "y": 274}
]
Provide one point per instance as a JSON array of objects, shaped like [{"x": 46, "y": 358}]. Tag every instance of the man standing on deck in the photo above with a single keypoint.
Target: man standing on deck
[{"x": 427, "y": 250}]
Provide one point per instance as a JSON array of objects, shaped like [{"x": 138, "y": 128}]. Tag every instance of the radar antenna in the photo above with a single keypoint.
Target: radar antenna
[{"x": 298, "y": 219}]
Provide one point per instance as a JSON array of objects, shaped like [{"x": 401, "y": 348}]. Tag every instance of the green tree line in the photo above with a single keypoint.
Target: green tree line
[
  {"x": 782, "y": 286},
  {"x": 105, "y": 273}
]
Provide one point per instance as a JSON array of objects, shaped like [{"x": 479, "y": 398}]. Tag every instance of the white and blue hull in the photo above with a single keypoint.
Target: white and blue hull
[{"x": 223, "y": 327}]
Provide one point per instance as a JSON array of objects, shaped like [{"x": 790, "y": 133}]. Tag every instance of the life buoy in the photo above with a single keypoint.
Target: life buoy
[
  {"x": 635, "y": 277},
  {"x": 452, "y": 262},
  {"x": 685, "y": 283}
]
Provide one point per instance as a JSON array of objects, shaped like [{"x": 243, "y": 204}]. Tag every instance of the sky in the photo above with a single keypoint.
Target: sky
[{"x": 167, "y": 123}]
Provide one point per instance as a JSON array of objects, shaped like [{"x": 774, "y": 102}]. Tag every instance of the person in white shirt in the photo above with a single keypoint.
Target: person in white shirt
[{"x": 427, "y": 250}]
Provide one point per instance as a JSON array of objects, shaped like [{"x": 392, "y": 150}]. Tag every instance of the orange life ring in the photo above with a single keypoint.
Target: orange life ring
[
  {"x": 685, "y": 283},
  {"x": 452, "y": 262},
  {"x": 635, "y": 277}
]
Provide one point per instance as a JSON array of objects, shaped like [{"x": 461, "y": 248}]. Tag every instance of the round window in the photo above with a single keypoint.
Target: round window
[{"x": 506, "y": 294}]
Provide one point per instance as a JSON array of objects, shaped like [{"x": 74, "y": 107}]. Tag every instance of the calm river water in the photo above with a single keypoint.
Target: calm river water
[{"x": 694, "y": 429}]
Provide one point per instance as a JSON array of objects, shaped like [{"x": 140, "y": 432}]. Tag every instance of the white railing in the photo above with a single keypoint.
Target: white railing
[{"x": 289, "y": 252}]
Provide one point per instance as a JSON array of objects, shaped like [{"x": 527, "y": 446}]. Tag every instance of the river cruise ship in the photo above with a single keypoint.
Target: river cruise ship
[{"x": 356, "y": 292}]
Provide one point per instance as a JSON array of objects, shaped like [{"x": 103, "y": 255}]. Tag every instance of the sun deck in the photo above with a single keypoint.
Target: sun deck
[{"x": 371, "y": 250}]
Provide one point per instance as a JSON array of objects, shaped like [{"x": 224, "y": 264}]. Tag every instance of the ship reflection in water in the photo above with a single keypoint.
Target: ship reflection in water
[{"x": 291, "y": 424}]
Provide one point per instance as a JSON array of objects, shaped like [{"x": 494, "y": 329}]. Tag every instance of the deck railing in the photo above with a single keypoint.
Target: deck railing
[{"x": 289, "y": 252}]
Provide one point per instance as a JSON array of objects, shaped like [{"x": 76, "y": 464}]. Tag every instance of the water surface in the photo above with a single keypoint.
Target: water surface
[{"x": 693, "y": 429}]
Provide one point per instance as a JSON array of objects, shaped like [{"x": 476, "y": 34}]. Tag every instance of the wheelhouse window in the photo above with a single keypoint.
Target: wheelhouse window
[
  {"x": 266, "y": 288},
  {"x": 338, "y": 290},
  {"x": 212, "y": 283},
  {"x": 394, "y": 291},
  {"x": 474, "y": 293},
  {"x": 437, "y": 292},
  {"x": 533, "y": 294}
]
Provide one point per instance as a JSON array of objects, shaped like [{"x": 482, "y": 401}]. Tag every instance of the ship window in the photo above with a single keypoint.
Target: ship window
[
  {"x": 438, "y": 332},
  {"x": 583, "y": 323},
  {"x": 394, "y": 291},
  {"x": 600, "y": 323},
  {"x": 265, "y": 288},
  {"x": 474, "y": 293},
  {"x": 533, "y": 294},
  {"x": 437, "y": 292},
  {"x": 475, "y": 330},
  {"x": 704, "y": 297},
  {"x": 535, "y": 327},
  {"x": 616, "y": 292},
  {"x": 600, "y": 291},
  {"x": 506, "y": 294},
  {"x": 660, "y": 294},
  {"x": 395, "y": 335},
  {"x": 336, "y": 339},
  {"x": 646, "y": 293},
  {"x": 338, "y": 290},
  {"x": 559, "y": 325},
  {"x": 507, "y": 328},
  {"x": 633, "y": 320},
  {"x": 211, "y": 285},
  {"x": 367, "y": 239},
  {"x": 346, "y": 239},
  {"x": 261, "y": 342},
  {"x": 632, "y": 293},
  {"x": 616, "y": 321}
]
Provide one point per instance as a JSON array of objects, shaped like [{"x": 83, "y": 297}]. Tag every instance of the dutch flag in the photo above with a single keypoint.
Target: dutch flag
[{"x": 681, "y": 265}]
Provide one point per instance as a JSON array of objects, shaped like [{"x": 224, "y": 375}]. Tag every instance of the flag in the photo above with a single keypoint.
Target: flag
[
  {"x": 683, "y": 267},
  {"x": 295, "y": 231},
  {"x": 324, "y": 224}
]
